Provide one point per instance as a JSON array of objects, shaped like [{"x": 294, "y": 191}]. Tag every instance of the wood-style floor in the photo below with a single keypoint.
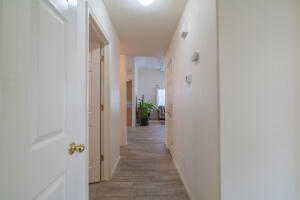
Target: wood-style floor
[{"x": 145, "y": 171}]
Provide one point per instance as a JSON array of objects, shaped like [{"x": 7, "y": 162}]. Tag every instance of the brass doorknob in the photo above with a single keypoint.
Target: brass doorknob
[{"x": 76, "y": 148}]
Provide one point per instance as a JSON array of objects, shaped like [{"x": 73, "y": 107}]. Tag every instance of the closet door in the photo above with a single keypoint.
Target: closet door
[{"x": 94, "y": 108}]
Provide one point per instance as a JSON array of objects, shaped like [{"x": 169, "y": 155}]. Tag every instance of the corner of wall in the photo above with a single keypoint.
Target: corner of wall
[
  {"x": 189, "y": 191},
  {"x": 111, "y": 87},
  {"x": 115, "y": 165}
]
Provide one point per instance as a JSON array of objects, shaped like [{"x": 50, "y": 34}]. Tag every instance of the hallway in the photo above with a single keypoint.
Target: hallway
[{"x": 145, "y": 171}]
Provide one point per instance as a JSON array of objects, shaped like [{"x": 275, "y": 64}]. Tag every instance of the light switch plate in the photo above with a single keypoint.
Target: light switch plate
[
  {"x": 189, "y": 79},
  {"x": 184, "y": 29},
  {"x": 184, "y": 34},
  {"x": 196, "y": 57}
]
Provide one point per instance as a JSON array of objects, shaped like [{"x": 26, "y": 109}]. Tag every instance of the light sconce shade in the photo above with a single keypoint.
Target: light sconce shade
[{"x": 146, "y": 2}]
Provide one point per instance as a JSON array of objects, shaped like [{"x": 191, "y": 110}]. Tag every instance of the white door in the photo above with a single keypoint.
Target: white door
[
  {"x": 42, "y": 105},
  {"x": 95, "y": 57}
]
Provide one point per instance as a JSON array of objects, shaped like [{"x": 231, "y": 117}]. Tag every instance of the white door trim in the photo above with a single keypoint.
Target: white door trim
[{"x": 105, "y": 115}]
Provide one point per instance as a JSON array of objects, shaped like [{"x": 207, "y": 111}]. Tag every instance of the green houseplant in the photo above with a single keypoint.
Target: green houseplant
[{"x": 145, "y": 109}]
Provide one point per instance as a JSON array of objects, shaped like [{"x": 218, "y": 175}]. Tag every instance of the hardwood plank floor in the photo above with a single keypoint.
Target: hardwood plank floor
[{"x": 145, "y": 171}]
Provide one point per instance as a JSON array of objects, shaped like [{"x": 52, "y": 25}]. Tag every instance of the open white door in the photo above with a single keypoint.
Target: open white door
[{"x": 43, "y": 101}]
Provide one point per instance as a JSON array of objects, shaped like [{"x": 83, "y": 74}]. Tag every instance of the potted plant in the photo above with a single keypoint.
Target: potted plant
[{"x": 145, "y": 109}]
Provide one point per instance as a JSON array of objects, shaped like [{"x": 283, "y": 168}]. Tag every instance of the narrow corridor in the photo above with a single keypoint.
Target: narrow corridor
[{"x": 145, "y": 171}]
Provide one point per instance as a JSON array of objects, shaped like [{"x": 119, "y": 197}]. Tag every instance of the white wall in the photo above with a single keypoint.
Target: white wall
[
  {"x": 112, "y": 84},
  {"x": 131, "y": 76},
  {"x": 123, "y": 100},
  {"x": 149, "y": 81},
  {"x": 196, "y": 115},
  {"x": 260, "y": 99}
]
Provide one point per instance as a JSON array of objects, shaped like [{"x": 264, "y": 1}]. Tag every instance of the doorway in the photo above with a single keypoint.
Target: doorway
[
  {"x": 129, "y": 103},
  {"x": 95, "y": 101}
]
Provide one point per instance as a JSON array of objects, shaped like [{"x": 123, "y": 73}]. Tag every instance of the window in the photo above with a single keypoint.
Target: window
[{"x": 161, "y": 97}]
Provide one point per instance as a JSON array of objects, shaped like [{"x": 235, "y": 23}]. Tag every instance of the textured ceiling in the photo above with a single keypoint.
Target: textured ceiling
[{"x": 145, "y": 31}]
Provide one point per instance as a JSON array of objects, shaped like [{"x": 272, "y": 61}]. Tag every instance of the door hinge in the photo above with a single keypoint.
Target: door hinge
[
  {"x": 102, "y": 107},
  {"x": 101, "y": 158},
  {"x": 102, "y": 58}
]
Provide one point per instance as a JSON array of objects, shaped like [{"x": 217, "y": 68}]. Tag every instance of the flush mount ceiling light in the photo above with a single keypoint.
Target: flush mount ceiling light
[{"x": 146, "y": 2}]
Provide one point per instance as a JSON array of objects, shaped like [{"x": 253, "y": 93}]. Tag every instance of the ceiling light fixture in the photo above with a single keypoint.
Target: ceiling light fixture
[{"x": 146, "y": 2}]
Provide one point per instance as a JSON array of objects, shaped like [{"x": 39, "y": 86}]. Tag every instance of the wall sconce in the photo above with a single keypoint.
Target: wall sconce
[{"x": 196, "y": 57}]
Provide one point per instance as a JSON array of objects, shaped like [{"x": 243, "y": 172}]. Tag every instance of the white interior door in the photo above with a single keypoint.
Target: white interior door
[
  {"x": 95, "y": 58},
  {"x": 42, "y": 107}
]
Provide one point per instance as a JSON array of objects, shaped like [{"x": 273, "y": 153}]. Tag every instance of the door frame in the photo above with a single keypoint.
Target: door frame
[
  {"x": 105, "y": 114},
  {"x": 132, "y": 96}
]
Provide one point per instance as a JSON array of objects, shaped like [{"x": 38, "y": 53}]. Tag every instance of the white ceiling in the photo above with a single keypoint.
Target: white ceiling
[
  {"x": 145, "y": 30},
  {"x": 149, "y": 63}
]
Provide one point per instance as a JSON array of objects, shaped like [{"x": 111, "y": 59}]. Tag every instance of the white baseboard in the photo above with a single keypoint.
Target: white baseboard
[
  {"x": 115, "y": 166},
  {"x": 190, "y": 194}
]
